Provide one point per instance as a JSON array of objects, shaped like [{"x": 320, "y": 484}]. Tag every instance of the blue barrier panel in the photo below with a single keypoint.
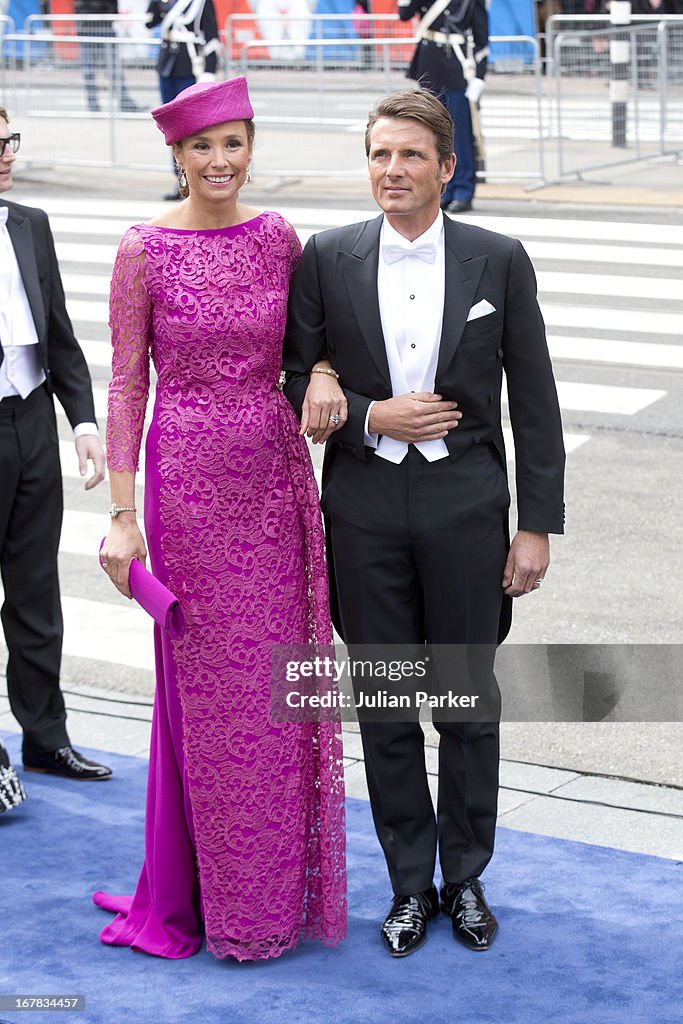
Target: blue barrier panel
[
  {"x": 19, "y": 11},
  {"x": 333, "y": 30},
  {"x": 511, "y": 18}
]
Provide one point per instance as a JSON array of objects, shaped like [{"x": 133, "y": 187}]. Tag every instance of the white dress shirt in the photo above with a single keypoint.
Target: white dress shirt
[
  {"x": 411, "y": 285},
  {"x": 21, "y": 371}
]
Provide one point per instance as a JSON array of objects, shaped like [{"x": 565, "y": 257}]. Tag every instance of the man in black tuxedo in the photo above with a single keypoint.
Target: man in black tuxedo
[
  {"x": 39, "y": 357},
  {"x": 419, "y": 315}
]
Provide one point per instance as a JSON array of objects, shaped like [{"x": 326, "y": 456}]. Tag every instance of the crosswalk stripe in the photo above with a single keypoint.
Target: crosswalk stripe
[
  {"x": 641, "y": 322},
  {"x": 632, "y": 255},
  {"x": 122, "y": 213},
  {"x": 604, "y": 285},
  {"x": 626, "y": 353},
  {"x": 610, "y": 285},
  {"x": 593, "y": 317},
  {"x": 587, "y": 350},
  {"x": 87, "y": 253},
  {"x": 94, "y": 629},
  {"x": 582, "y": 397}
]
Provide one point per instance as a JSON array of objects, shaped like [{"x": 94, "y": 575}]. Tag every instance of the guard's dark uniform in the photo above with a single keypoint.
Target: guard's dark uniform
[
  {"x": 189, "y": 46},
  {"x": 453, "y": 49}
]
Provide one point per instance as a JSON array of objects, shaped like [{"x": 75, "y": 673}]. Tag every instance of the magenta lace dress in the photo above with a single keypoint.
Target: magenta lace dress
[{"x": 244, "y": 834}]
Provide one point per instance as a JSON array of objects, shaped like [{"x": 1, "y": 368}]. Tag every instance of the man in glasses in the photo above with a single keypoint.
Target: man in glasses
[{"x": 39, "y": 357}]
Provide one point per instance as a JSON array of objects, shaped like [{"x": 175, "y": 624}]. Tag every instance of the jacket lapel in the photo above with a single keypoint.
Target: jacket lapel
[
  {"x": 463, "y": 273},
  {"x": 360, "y": 276},
  {"x": 19, "y": 228}
]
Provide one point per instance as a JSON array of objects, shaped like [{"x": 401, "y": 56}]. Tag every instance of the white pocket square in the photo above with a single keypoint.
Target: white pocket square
[{"x": 482, "y": 308}]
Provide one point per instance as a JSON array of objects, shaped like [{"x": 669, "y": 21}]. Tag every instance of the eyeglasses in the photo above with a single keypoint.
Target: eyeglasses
[{"x": 12, "y": 141}]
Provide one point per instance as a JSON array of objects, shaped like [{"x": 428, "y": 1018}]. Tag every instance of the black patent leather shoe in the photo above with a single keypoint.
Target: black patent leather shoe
[
  {"x": 473, "y": 923},
  {"x": 405, "y": 927},
  {"x": 458, "y": 206},
  {"x": 66, "y": 762}
]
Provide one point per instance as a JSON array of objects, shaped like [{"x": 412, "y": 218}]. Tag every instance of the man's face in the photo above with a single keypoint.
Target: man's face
[
  {"x": 405, "y": 173},
  {"x": 6, "y": 160}
]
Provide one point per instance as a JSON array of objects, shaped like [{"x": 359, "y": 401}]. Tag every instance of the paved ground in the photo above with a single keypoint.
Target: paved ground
[{"x": 559, "y": 778}]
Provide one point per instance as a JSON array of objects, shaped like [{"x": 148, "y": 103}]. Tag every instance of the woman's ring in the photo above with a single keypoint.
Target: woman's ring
[
  {"x": 335, "y": 419},
  {"x": 104, "y": 565}
]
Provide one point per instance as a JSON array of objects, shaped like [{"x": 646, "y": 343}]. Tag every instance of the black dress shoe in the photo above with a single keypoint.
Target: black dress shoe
[
  {"x": 473, "y": 923},
  {"x": 405, "y": 927},
  {"x": 66, "y": 762},
  {"x": 459, "y": 206}
]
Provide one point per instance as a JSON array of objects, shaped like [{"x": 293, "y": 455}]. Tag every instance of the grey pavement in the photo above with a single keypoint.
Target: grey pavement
[{"x": 615, "y": 784}]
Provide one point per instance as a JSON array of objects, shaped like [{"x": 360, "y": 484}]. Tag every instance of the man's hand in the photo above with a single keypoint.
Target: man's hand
[
  {"x": 88, "y": 447},
  {"x": 414, "y": 417},
  {"x": 527, "y": 563}
]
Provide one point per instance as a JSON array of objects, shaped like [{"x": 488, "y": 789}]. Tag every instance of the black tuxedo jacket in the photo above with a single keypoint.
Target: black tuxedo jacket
[
  {"x": 63, "y": 361},
  {"x": 334, "y": 314}
]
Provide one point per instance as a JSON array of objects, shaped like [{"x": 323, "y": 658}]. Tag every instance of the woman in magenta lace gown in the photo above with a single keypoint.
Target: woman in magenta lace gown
[{"x": 244, "y": 835}]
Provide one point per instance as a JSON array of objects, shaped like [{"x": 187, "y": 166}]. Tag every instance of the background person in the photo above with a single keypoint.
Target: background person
[
  {"x": 39, "y": 357},
  {"x": 245, "y": 819},
  {"x": 450, "y": 61},
  {"x": 189, "y": 48},
  {"x": 104, "y": 57}
]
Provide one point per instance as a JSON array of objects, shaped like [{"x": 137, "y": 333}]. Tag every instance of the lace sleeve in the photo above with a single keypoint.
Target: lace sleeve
[{"x": 130, "y": 320}]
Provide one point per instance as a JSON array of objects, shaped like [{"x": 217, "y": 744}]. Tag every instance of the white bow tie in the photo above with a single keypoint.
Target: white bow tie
[
  {"x": 395, "y": 251},
  {"x": 4, "y": 213}
]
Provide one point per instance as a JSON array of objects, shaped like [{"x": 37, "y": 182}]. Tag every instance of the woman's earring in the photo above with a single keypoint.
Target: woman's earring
[
  {"x": 248, "y": 178},
  {"x": 182, "y": 177}
]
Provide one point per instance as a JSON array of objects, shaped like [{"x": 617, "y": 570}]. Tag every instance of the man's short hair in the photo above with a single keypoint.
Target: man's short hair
[
  {"x": 418, "y": 105},
  {"x": 4, "y": 115}
]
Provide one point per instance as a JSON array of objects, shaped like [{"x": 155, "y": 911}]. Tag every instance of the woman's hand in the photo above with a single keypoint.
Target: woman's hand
[
  {"x": 324, "y": 408},
  {"x": 124, "y": 543}
]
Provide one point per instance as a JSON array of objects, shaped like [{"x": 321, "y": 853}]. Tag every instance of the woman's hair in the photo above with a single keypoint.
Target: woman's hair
[
  {"x": 418, "y": 105},
  {"x": 251, "y": 135},
  {"x": 4, "y": 115}
]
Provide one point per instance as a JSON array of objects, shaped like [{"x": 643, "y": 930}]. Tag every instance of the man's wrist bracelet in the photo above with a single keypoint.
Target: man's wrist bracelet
[{"x": 324, "y": 369}]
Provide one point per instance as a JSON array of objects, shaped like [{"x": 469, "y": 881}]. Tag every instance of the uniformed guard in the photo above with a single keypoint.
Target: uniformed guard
[
  {"x": 189, "y": 47},
  {"x": 450, "y": 61}
]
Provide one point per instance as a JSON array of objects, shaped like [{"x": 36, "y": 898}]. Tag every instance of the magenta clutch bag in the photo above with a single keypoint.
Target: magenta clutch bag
[{"x": 156, "y": 599}]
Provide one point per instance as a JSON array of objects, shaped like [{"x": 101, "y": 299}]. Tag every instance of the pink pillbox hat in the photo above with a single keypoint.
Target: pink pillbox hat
[{"x": 201, "y": 106}]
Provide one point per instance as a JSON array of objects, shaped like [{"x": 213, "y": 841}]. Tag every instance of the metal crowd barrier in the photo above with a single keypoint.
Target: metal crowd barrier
[
  {"x": 86, "y": 94},
  {"x": 284, "y": 40},
  {"x": 607, "y": 113},
  {"x": 581, "y": 23},
  {"x": 319, "y": 104}
]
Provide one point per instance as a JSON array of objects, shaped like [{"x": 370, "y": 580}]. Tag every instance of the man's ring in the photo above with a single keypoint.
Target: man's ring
[
  {"x": 335, "y": 419},
  {"x": 538, "y": 582}
]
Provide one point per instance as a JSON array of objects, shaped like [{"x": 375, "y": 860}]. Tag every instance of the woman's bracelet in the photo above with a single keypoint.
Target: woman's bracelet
[{"x": 324, "y": 369}]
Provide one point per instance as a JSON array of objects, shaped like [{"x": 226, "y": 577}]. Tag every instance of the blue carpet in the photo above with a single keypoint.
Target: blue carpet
[{"x": 588, "y": 935}]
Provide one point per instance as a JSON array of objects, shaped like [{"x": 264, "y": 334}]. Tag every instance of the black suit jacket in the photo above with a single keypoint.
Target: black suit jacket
[
  {"x": 334, "y": 314},
  {"x": 63, "y": 361}
]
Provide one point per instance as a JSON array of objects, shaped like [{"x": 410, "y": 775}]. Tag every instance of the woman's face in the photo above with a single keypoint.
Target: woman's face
[{"x": 215, "y": 160}]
